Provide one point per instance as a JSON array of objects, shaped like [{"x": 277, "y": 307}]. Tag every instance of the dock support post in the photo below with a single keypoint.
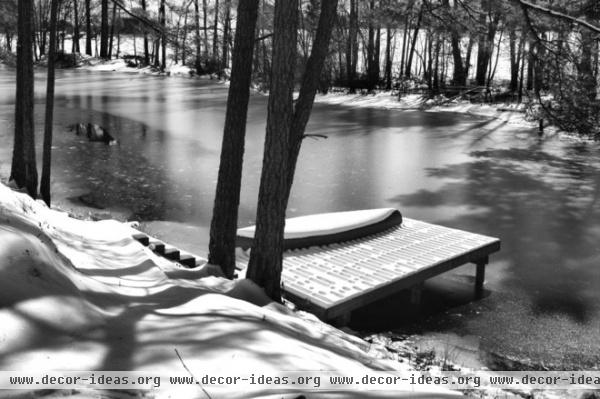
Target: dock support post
[
  {"x": 416, "y": 292},
  {"x": 342, "y": 320},
  {"x": 480, "y": 276}
]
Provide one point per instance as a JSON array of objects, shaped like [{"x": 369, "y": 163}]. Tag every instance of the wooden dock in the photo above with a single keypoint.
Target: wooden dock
[{"x": 333, "y": 281}]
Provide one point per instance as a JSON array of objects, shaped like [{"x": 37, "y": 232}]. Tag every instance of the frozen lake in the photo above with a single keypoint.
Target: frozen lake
[{"x": 540, "y": 196}]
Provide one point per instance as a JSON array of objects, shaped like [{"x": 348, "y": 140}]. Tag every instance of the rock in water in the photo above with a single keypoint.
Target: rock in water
[{"x": 94, "y": 133}]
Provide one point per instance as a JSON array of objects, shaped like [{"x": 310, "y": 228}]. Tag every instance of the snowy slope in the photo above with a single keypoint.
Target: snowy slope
[{"x": 81, "y": 295}]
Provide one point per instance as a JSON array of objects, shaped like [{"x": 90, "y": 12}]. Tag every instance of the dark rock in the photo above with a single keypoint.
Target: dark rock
[{"x": 94, "y": 133}]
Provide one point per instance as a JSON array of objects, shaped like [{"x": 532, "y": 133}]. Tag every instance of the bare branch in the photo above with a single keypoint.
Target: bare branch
[{"x": 558, "y": 14}]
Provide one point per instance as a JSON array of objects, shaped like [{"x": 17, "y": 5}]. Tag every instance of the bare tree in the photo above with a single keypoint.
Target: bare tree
[
  {"x": 47, "y": 151},
  {"x": 23, "y": 169}
]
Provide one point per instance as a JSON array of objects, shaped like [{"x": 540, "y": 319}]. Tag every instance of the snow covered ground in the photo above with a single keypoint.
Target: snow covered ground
[
  {"x": 511, "y": 113},
  {"x": 83, "y": 295}
]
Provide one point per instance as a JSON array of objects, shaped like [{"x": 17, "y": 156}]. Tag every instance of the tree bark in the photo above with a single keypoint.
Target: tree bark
[
  {"x": 388, "y": 58},
  {"x": 88, "y": 28},
  {"x": 371, "y": 73},
  {"x": 215, "y": 44},
  {"x": 310, "y": 82},
  {"x": 226, "y": 33},
  {"x": 23, "y": 169},
  {"x": 112, "y": 31},
  {"x": 225, "y": 212},
  {"x": 47, "y": 150},
  {"x": 205, "y": 27},
  {"x": 76, "y": 33},
  {"x": 104, "y": 30},
  {"x": 197, "y": 63},
  {"x": 352, "y": 46},
  {"x": 163, "y": 34},
  {"x": 411, "y": 52},
  {"x": 146, "y": 49},
  {"x": 264, "y": 267},
  {"x": 514, "y": 60}
]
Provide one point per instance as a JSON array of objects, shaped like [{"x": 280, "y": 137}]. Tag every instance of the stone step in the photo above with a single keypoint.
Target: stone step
[
  {"x": 141, "y": 238},
  {"x": 171, "y": 253},
  {"x": 187, "y": 260}
]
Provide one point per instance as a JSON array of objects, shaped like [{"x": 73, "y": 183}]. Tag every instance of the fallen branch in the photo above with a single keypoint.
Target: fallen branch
[
  {"x": 190, "y": 373},
  {"x": 315, "y": 136}
]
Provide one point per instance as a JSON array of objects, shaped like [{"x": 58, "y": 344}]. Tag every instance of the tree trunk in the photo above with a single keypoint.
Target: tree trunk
[
  {"x": 486, "y": 42},
  {"x": 284, "y": 136},
  {"x": 226, "y": 33},
  {"x": 352, "y": 47},
  {"x": 459, "y": 77},
  {"x": 23, "y": 169},
  {"x": 184, "y": 38},
  {"x": 264, "y": 267},
  {"x": 104, "y": 30},
  {"x": 146, "y": 49},
  {"x": 589, "y": 46},
  {"x": 215, "y": 44},
  {"x": 88, "y": 28},
  {"x": 205, "y": 27},
  {"x": 225, "y": 212},
  {"x": 163, "y": 34},
  {"x": 514, "y": 60},
  {"x": 310, "y": 82},
  {"x": 47, "y": 151},
  {"x": 197, "y": 63},
  {"x": 76, "y": 33},
  {"x": 371, "y": 49},
  {"x": 530, "y": 62},
  {"x": 112, "y": 30},
  {"x": 388, "y": 58},
  {"x": 405, "y": 38},
  {"x": 411, "y": 52},
  {"x": 468, "y": 57}
]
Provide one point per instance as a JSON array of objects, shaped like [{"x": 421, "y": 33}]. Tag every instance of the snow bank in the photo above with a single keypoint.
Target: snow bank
[
  {"x": 385, "y": 100},
  {"x": 81, "y": 295}
]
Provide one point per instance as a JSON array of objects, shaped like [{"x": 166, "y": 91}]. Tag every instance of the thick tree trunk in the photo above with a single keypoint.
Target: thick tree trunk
[
  {"x": 224, "y": 222},
  {"x": 47, "y": 150},
  {"x": 589, "y": 47},
  {"x": 24, "y": 170},
  {"x": 284, "y": 137},
  {"x": 459, "y": 76},
  {"x": 76, "y": 33},
  {"x": 104, "y": 30},
  {"x": 485, "y": 45},
  {"x": 264, "y": 267},
  {"x": 310, "y": 82}
]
